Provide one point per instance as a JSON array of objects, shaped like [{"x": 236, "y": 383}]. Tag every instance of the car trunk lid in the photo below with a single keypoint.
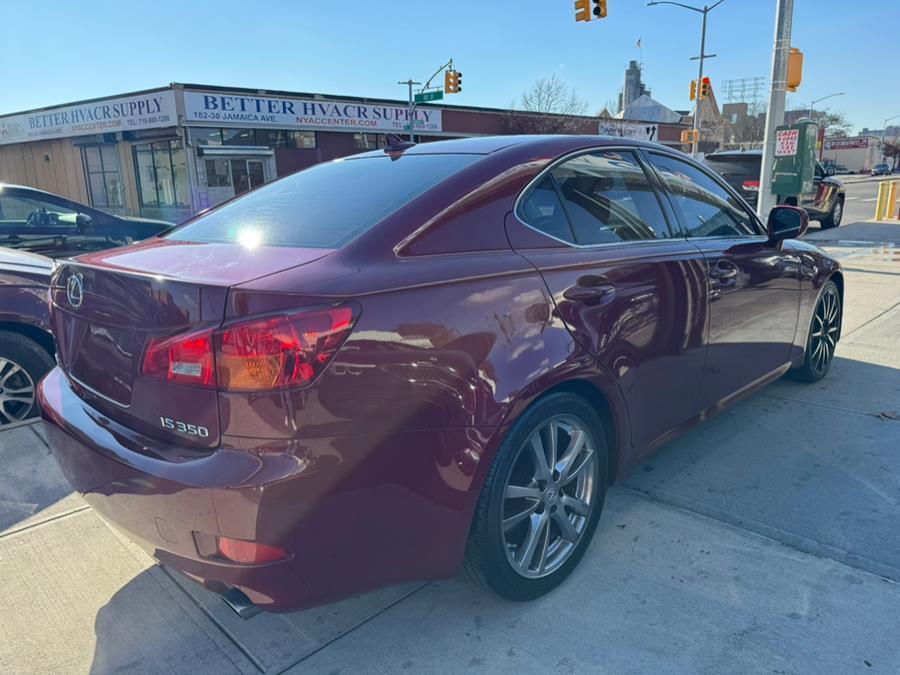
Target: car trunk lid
[{"x": 108, "y": 306}]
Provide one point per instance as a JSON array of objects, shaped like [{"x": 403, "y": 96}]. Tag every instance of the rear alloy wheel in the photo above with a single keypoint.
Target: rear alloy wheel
[
  {"x": 23, "y": 362},
  {"x": 823, "y": 335},
  {"x": 541, "y": 501},
  {"x": 833, "y": 219}
]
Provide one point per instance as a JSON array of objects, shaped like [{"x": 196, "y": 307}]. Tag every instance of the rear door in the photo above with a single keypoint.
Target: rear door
[
  {"x": 629, "y": 291},
  {"x": 753, "y": 286}
]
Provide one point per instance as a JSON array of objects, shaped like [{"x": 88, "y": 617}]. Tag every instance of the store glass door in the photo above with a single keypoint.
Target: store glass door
[{"x": 227, "y": 177}]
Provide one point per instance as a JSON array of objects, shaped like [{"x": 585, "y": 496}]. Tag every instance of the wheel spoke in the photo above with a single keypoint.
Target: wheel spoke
[
  {"x": 521, "y": 492},
  {"x": 569, "y": 532},
  {"x": 576, "y": 505},
  {"x": 7, "y": 368},
  {"x": 512, "y": 521},
  {"x": 573, "y": 449},
  {"x": 543, "y": 547},
  {"x": 576, "y": 470},
  {"x": 526, "y": 553},
  {"x": 541, "y": 469}
]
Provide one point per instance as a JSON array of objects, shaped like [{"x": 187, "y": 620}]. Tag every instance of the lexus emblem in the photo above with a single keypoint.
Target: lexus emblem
[{"x": 75, "y": 290}]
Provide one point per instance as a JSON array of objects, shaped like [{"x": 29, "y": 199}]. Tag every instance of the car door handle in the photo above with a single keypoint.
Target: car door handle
[
  {"x": 723, "y": 271},
  {"x": 591, "y": 290}
]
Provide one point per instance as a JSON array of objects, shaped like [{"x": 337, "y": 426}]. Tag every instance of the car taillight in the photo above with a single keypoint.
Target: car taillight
[
  {"x": 280, "y": 352},
  {"x": 751, "y": 185},
  {"x": 264, "y": 354},
  {"x": 185, "y": 359},
  {"x": 248, "y": 552}
]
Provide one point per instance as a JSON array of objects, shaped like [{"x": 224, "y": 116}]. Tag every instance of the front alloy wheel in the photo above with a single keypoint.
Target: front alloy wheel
[
  {"x": 16, "y": 392},
  {"x": 824, "y": 333},
  {"x": 541, "y": 499}
]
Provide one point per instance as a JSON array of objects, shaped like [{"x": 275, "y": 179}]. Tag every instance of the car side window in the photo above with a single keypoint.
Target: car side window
[
  {"x": 707, "y": 209},
  {"x": 28, "y": 212},
  {"x": 543, "y": 211},
  {"x": 603, "y": 197}
]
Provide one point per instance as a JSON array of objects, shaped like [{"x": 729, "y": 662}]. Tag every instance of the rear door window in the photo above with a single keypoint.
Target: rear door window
[
  {"x": 324, "y": 206},
  {"x": 603, "y": 197}
]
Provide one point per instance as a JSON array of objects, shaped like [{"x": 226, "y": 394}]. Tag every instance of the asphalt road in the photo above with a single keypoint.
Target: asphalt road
[
  {"x": 764, "y": 540},
  {"x": 862, "y": 193}
]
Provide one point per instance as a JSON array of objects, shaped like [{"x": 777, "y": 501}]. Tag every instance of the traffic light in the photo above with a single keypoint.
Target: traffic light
[
  {"x": 693, "y": 90},
  {"x": 452, "y": 82},
  {"x": 705, "y": 88},
  {"x": 582, "y": 10},
  {"x": 688, "y": 135},
  {"x": 600, "y": 9},
  {"x": 795, "y": 69}
]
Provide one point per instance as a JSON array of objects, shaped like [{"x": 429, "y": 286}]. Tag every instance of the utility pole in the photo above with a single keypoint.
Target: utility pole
[
  {"x": 784, "y": 18},
  {"x": 412, "y": 108},
  {"x": 703, "y": 56}
]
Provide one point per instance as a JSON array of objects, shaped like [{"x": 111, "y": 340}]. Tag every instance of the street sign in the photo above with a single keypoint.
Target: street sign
[{"x": 426, "y": 96}]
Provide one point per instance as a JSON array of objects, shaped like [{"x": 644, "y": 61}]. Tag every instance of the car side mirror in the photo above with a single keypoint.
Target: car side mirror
[
  {"x": 82, "y": 220},
  {"x": 786, "y": 222}
]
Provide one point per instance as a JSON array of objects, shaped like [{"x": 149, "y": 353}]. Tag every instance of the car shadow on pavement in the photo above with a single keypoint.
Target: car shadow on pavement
[{"x": 816, "y": 467}]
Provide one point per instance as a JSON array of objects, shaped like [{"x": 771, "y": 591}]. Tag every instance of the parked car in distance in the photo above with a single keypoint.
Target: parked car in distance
[
  {"x": 882, "y": 169},
  {"x": 42, "y": 222},
  {"x": 741, "y": 170},
  {"x": 390, "y": 367},
  {"x": 31, "y": 222}
]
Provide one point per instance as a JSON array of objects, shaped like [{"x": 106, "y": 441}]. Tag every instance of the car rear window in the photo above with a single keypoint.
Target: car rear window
[
  {"x": 324, "y": 206},
  {"x": 734, "y": 164}
]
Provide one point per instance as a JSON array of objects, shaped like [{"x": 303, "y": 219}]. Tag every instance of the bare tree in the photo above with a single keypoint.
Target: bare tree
[
  {"x": 892, "y": 151},
  {"x": 549, "y": 106},
  {"x": 834, "y": 123}
]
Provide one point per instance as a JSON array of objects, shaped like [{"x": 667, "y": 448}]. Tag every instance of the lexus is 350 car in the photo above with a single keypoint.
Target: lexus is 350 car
[{"x": 421, "y": 359}]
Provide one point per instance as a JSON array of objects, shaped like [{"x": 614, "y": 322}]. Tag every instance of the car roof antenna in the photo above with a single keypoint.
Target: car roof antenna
[{"x": 395, "y": 144}]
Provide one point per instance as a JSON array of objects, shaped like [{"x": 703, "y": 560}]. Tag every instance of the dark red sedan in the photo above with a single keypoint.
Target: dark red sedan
[{"x": 390, "y": 367}]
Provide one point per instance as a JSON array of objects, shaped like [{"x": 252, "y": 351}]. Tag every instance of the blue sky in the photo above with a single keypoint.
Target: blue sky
[{"x": 66, "y": 51}]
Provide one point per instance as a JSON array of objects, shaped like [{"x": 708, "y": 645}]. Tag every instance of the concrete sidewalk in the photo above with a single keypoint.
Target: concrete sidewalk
[{"x": 764, "y": 540}]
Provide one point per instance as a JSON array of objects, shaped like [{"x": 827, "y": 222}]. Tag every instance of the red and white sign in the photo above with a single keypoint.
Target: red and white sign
[
  {"x": 786, "y": 142},
  {"x": 846, "y": 143}
]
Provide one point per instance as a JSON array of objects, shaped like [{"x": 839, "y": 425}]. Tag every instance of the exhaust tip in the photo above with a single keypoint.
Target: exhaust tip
[{"x": 239, "y": 602}]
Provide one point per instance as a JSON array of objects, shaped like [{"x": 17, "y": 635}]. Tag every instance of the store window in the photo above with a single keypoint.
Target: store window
[
  {"x": 239, "y": 137},
  {"x": 104, "y": 179},
  {"x": 201, "y": 136},
  {"x": 161, "y": 174},
  {"x": 369, "y": 141},
  {"x": 301, "y": 139},
  {"x": 269, "y": 138}
]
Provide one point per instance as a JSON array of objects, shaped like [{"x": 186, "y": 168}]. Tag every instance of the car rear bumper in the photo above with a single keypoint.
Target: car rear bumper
[{"x": 348, "y": 525}]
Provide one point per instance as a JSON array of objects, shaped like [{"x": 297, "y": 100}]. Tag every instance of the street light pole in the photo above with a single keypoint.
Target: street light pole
[
  {"x": 784, "y": 17},
  {"x": 813, "y": 105},
  {"x": 819, "y": 100},
  {"x": 412, "y": 108},
  {"x": 703, "y": 55}
]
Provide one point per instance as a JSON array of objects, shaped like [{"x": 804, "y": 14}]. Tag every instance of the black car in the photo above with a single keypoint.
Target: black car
[
  {"x": 741, "y": 170},
  {"x": 42, "y": 226},
  {"x": 45, "y": 223}
]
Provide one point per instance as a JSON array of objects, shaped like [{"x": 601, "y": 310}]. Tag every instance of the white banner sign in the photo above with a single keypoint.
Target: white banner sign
[
  {"x": 786, "y": 142},
  {"x": 146, "y": 111},
  {"x": 296, "y": 113},
  {"x": 636, "y": 130}
]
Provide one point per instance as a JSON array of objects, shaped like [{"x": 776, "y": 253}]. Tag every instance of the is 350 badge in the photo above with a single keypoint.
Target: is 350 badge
[{"x": 184, "y": 427}]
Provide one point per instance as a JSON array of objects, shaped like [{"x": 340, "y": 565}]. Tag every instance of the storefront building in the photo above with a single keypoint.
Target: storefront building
[
  {"x": 857, "y": 154},
  {"x": 171, "y": 152}
]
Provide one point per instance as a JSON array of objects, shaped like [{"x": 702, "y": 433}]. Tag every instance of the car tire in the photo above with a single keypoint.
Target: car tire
[
  {"x": 23, "y": 362},
  {"x": 824, "y": 333},
  {"x": 501, "y": 554},
  {"x": 833, "y": 219}
]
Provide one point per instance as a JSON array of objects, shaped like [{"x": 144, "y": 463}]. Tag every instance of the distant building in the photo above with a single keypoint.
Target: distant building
[
  {"x": 858, "y": 154},
  {"x": 647, "y": 109},
  {"x": 634, "y": 86}
]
